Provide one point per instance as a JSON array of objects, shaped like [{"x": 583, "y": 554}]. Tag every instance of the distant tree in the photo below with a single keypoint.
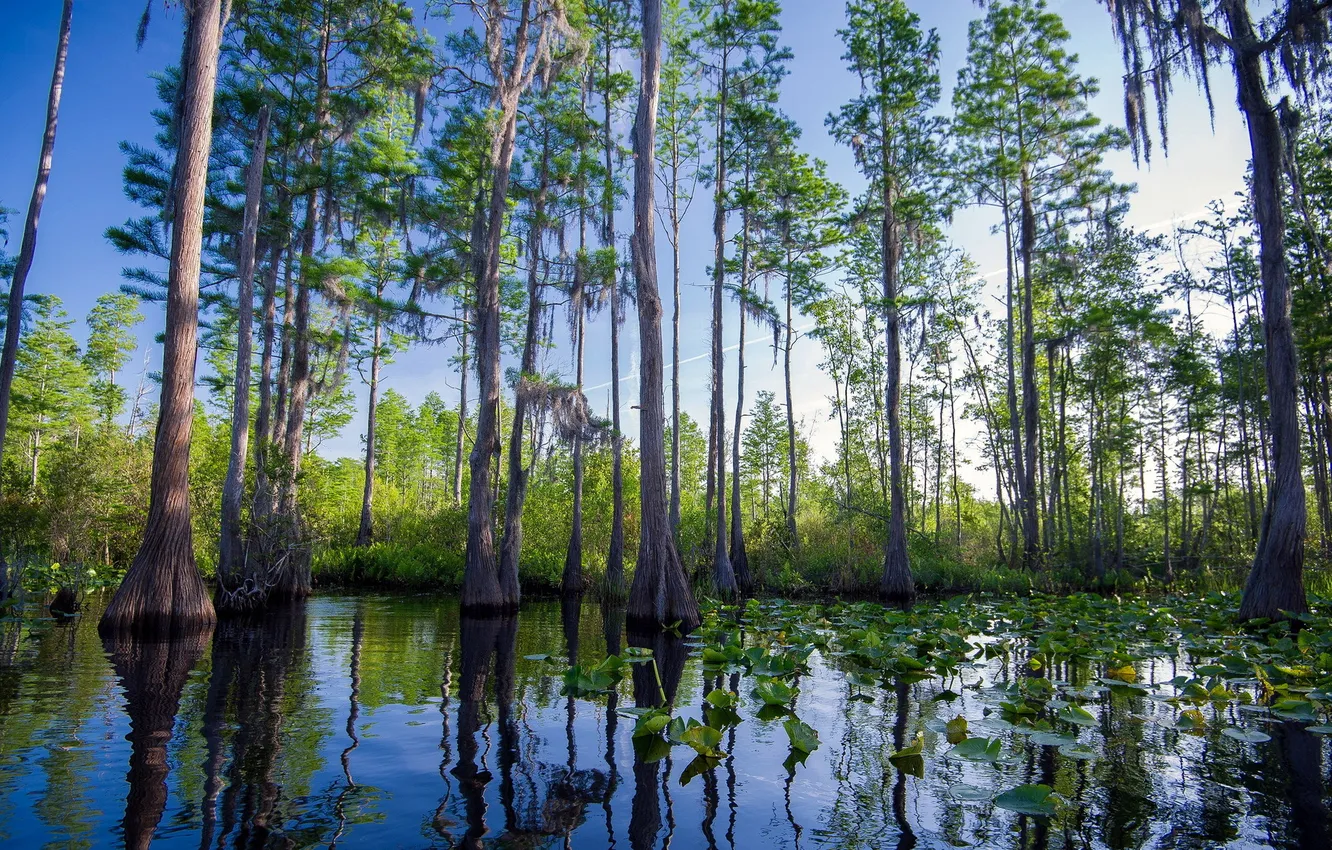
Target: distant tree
[
  {"x": 111, "y": 341},
  {"x": 50, "y": 383}
]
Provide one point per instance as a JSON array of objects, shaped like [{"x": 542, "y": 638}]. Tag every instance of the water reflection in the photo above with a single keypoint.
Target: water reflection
[
  {"x": 152, "y": 675},
  {"x": 370, "y": 721}
]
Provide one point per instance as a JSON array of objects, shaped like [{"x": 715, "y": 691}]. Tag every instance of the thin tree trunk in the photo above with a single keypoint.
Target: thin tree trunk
[
  {"x": 792, "y": 472},
  {"x": 463, "y": 378},
  {"x": 739, "y": 559},
  {"x": 723, "y": 576},
  {"x": 263, "y": 497},
  {"x": 14, "y": 312},
  {"x": 614, "y": 578},
  {"x": 511, "y": 544},
  {"x": 366, "y": 532},
  {"x": 232, "y": 550},
  {"x": 660, "y": 594},
  {"x": 675, "y": 346},
  {"x": 1031, "y": 546},
  {"x": 896, "y": 585},
  {"x": 484, "y": 589},
  {"x": 162, "y": 591}
]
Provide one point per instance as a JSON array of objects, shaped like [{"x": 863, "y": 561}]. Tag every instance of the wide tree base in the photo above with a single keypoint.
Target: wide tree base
[
  {"x": 162, "y": 594},
  {"x": 661, "y": 597},
  {"x": 897, "y": 587}
]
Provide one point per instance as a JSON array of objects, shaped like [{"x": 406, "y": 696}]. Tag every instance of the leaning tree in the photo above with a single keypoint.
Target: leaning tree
[
  {"x": 14, "y": 314},
  {"x": 660, "y": 594},
  {"x": 1262, "y": 42},
  {"x": 162, "y": 590}
]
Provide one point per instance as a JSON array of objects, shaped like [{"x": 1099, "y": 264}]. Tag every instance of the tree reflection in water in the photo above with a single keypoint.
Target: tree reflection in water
[
  {"x": 670, "y": 653},
  {"x": 152, "y": 674},
  {"x": 252, "y": 660}
]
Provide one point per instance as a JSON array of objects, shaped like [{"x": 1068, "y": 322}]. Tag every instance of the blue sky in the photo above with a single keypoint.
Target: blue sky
[{"x": 109, "y": 93}]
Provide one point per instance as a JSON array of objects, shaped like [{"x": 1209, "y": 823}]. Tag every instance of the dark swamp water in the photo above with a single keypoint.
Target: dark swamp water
[{"x": 366, "y": 721}]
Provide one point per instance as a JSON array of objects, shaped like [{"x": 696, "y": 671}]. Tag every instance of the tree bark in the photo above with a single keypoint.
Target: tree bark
[
  {"x": 231, "y": 555},
  {"x": 792, "y": 473},
  {"x": 660, "y": 594},
  {"x": 723, "y": 576},
  {"x": 366, "y": 532},
  {"x": 28, "y": 247},
  {"x": 1031, "y": 544},
  {"x": 511, "y": 544},
  {"x": 896, "y": 585},
  {"x": 1276, "y": 580},
  {"x": 613, "y": 583},
  {"x": 162, "y": 591}
]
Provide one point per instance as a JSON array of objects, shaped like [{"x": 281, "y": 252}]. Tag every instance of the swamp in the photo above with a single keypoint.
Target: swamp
[
  {"x": 741, "y": 424},
  {"x": 389, "y": 721}
]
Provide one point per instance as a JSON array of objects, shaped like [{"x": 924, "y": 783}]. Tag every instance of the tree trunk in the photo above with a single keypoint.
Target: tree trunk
[
  {"x": 28, "y": 247},
  {"x": 739, "y": 559},
  {"x": 463, "y": 352},
  {"x": 896, "y": 585},
  {"x": 660, "y": 594},
  {"x": 231, "y": 556},
  {"x": 723, "y": 576},
  {"x": 675, "y": 352},
  {"x": 483, "y": 591},
  {"x": 792, "y": 472},
  {"x": 1031, "y": 545},
  {"x": 366, "y": 532},
  {"x": 511, "y": 544},
  {"x": 1276, "y": 581},
  {"x": 614, "y": 579},
  {"x": 571, "y": 582},
  {"x": 263, "y": 497},
  {"x": 162, "y": 591}
]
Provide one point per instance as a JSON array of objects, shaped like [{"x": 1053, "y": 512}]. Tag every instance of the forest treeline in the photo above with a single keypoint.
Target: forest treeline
[{"x": 331, "y": 185}]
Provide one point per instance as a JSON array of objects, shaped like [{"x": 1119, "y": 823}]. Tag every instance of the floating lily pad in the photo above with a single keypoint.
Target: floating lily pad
[
  {"x": 1077, "y": 751},
  {"x": 977, "y": 749},
  {"x": 969, "y": 793},
  {"x": 1027, "y": 800},
  {"x": 1248, "y": 736}
]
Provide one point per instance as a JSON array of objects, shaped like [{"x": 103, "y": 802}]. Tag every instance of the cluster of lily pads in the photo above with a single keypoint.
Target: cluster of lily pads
[{"x": 1036, "y": 663}]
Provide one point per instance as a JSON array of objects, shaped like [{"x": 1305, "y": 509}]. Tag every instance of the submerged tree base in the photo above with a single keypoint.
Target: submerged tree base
[{"x": 162, "y": 594}]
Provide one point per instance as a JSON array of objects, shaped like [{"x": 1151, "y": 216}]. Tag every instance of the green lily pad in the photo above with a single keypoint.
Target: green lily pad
[
  {"x": 1079, "y": 715},
  {"x": 969, "y": 793},
  {"x": 1248, "y": 736},
  {"x": 803, "y": 737},
  {"x": 1077, "y": 751},
  {"x": 977, "y": 749},
  {"x": 1027, "y": 800}
]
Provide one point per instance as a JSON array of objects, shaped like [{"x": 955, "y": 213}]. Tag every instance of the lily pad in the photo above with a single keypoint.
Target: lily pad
[
  {"x": 803, "y": 737},
  {"x": 1248, "y": 736},
  {"x": 1027, "y": 800},
  {"x": 977, "y": 749},
  {"x": 969, "y": 793},
  {"x": 1077, "y": 751}
]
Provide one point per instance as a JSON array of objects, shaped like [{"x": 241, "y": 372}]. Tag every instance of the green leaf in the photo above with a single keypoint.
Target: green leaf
[
  {"x": 1248, "y": 736},
  {"x": 1077, "y": 751},
  {"x": 1077, "y": 714},
  {"x": 803, "y": 737},
  {"x": 774, "y": 692},
  {"x": 915, "y": 748},
  {"x": 651, "y": 724},
  {"x": 977, "y": 749},
  {"x": 956, "y": 730},
  {"x": 1027, "y": 800}
]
